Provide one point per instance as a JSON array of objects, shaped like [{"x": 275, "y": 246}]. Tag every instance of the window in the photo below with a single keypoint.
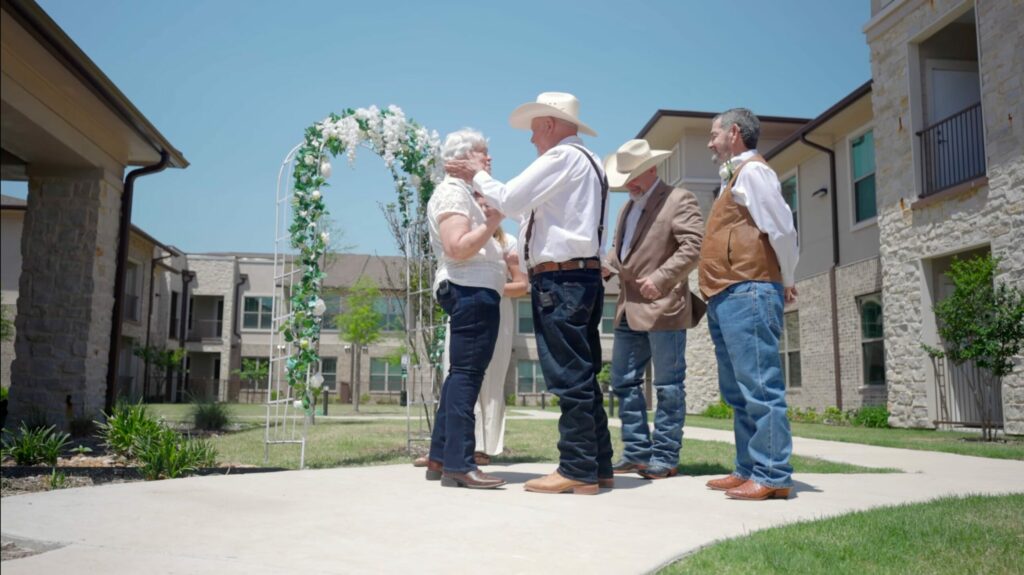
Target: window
[
  {"x": 392, "y": 318},
  {"x": 329, "y": 369},
  {"x": 530, "y": 379},
  {"x": 791, "y": 195},
  {"x": 385, "y": 374},
  {"x": 608, "y": 317},
  {"x": 173, "y": 322},
  {"x": 862, "y": 168},
  {"x": 132, "y": 308},
  {"x": 524, "y": 316},
  {"x": 257, "y": 313},
  {"x": 789, "y": 349},
  {"x": 871, "y": 338},
  {"x": 334, "y": 309}
]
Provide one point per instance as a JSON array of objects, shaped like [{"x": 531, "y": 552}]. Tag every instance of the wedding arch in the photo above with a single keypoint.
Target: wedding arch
[{"x": 411, "y": 154}]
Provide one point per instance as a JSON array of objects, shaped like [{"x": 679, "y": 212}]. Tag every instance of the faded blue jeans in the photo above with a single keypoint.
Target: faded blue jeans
[
  {"x": 746, "y": 322},
  {"x": 566, "y": 315},
  {"x": 631, "y": 353},
  {"x": 474, "y": 330}
]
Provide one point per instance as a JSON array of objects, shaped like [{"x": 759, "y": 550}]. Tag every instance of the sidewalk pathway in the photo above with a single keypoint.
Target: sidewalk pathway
[{"x": 387, "y": 519}]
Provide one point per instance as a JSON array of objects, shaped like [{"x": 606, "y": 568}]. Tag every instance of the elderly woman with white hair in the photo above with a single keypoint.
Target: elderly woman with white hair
[{"x": 470, "y": 278}]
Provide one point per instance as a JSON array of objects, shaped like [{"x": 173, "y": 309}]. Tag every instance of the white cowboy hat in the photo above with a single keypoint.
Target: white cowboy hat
[
  {"x": 550, "y": 104},
  {"x": 630, "y": 160}
]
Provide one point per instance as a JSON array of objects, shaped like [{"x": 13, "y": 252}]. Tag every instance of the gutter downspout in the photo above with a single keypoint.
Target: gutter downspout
[
  {"x": 833, "y": 196},
  {"x": 123, "y": 234},
  {"x": 149, "y": 316},
  {"x": 235, "y": 328},
  {"x": 186, "y": 278}
]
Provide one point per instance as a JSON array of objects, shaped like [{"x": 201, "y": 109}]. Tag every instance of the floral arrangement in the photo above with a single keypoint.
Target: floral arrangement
[{"x": 411, "y": 154}]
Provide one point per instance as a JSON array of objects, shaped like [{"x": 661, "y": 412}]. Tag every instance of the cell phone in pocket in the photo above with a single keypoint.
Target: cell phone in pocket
[{"x": 546, "y": 299}]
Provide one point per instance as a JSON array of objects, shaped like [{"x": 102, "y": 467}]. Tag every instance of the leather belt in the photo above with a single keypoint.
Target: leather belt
[{"x": 573, "y": 264}]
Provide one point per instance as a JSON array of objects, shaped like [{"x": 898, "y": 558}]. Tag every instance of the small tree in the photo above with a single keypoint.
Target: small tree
[
  {"x": 359, "y": 324},
  {"x": 253, "y": 372},
  {"x": 981, "y": 323},
  {"x": 160, "y": 363}
]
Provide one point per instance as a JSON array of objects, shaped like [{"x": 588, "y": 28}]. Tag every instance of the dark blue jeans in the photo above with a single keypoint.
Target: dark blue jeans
[
  {"x": 567, "y": 308},
  {"x": 475, "y": 316}
]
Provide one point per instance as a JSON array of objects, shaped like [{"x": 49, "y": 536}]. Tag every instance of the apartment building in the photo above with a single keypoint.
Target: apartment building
[{"x": 949, "y": 141}]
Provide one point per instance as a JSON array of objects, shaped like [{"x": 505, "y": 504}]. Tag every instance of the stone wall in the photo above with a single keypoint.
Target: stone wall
[
  {"x": 217, "y": 276},
  {"x": 66, "y": 289},
  {"x": 814, "y": 307},
  {"x": 988, "y": 216}
]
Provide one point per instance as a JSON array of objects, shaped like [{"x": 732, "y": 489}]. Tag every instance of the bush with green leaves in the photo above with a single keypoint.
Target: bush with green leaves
[
  {"x": 126, "y": 424},
  {"x": 510, "y": 399},
  {"x": 168, "y": 455},
  {"x": 871, "y": 416},
  {"x": 809, "y": 415},
  {"x": 33, "y": 445},
  {"x": 210, "y": 415},
  {"x": 833, "y": 416},
  {"x": 720, "y": 410}
]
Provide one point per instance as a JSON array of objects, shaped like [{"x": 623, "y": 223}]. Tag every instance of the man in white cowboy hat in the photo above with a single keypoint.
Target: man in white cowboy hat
[
  {"x": 655, "y": 247},
  {"x": 560, "y": 200}
]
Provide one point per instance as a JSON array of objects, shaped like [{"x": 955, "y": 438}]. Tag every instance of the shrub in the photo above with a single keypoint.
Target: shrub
[
  {"x": 553, "y": 402},
  {"x": 35, "y": 445},
  {"x": 364, "y": 399},
  {"x": 126, "y": 424},
  {"x": 210, "y": 415},
  {"x": 833, "y": 416},
  {"x": 720, "y": 410},
  {"x": 58, "y": 479},
  {"x": 874, "y": 416},
  {"x": 809, "y": 415},
  {"x": 166, "y": 454},
  {"x": 510, "y": 399}
]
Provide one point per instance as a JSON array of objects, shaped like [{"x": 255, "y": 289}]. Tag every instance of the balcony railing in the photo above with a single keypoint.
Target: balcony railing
[
  {"x": 204, "y": 329},
  {"x": 953, "y": 151}
]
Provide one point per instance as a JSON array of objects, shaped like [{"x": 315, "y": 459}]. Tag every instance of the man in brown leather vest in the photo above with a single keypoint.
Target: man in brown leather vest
[
  {"x": 747, "y": 264},
  {"x": 655, "y": 247}
]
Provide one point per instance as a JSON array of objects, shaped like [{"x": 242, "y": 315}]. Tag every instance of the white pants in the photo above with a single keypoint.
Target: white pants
[{"x": 490, "y": 406}]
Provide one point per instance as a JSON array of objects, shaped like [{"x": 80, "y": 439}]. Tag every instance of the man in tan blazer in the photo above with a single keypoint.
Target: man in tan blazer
[{"x": 656, "y": 245}]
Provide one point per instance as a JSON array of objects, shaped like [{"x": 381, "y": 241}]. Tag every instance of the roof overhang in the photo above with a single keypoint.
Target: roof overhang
[
  {"x": 59, "y": 108},
  {"x": 665, "y": 127}
]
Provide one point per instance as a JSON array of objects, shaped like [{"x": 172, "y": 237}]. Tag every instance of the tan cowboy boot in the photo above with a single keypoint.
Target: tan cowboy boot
[{"x": 557, "y": 483}]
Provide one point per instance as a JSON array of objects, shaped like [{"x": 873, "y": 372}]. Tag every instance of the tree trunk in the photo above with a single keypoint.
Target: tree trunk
[{"x": 355, "y": 380}]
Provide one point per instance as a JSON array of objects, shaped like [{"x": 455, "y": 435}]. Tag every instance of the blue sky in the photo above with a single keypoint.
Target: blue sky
[{"x": 233, "y": 83}]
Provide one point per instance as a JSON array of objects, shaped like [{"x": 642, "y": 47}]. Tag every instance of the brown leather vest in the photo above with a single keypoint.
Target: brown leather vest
[{"x": 734, "y": 249}]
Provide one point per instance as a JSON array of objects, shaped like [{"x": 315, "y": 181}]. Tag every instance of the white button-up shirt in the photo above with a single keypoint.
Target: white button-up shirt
[
  {"x": 633, "y": 218},
  {"x": 487, "y": 267},
  {"x": 758, "y": 189},
  {"x": 564, "y": 192}
]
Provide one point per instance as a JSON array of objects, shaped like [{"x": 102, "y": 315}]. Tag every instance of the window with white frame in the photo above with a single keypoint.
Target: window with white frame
[
  {"x": 334, "y": 308},
  {"x": 862, "y": 171},
  {"x": 789, "y": 349},
  {"x": 529, "y": 377},
  {"x": 385, "y": 374},
  {"x": 608, "y": 317},
  {"x": 329, "y": 369},
  {"x": 524, "y": 316},
  {"x": 791, "y": 194},
  {"x": 871, "y": 338},
  {"x": 257, "y": 312},
  {"x": 392, "y": 318}
]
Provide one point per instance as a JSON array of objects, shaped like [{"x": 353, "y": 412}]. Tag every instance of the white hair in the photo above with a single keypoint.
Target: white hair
[{"x": 458, "y": 144}]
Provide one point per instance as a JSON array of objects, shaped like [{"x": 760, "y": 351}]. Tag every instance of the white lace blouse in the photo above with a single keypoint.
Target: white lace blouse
[{"x": 487, "y": 268}]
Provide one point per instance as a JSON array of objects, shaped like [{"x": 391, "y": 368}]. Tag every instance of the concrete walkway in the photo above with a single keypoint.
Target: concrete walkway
[{"x": 387, "y": 519}]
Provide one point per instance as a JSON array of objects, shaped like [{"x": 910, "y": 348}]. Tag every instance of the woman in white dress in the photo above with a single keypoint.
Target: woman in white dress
[{"x": 490, "y": 408}]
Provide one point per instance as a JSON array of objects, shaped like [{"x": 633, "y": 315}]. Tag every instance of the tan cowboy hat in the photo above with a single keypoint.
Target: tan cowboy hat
[
  {"x": 550, "y": 104},
  {"x": 630, "y": 160}
]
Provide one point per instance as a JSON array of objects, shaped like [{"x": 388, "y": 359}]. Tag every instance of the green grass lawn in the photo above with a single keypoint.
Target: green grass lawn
[
  {"x": 962, "y": 443},
  {"x": 179, "y": 412},
  {"x": 952, "y": 535},
  {"x": 373, "y": 442}
]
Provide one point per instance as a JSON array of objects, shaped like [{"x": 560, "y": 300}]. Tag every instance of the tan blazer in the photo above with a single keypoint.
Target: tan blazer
[{"x": 665, "y": 247}]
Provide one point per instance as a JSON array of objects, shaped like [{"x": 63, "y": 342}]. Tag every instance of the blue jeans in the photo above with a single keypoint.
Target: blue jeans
[
  {"x": 567, "y": 308},
  {"x": 474, "y": 316},
  {"x": 746, "y": 322},
  {"x": 632, "y": 351}
]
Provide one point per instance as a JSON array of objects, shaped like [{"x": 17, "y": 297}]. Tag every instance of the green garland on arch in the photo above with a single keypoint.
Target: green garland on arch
[{"x": 411, "y": 154}]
